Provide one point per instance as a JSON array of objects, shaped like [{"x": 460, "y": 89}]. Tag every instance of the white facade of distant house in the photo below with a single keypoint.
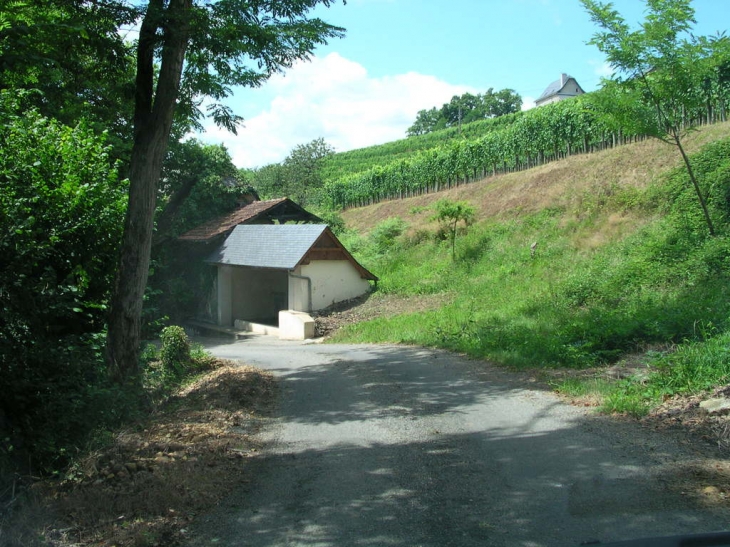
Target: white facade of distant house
[{"x": 561, "y": 89}]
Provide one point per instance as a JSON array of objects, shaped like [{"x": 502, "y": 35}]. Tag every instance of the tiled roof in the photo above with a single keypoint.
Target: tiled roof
[
  {"x": 267, "y": 245},
  {"x": 552, "y": 89},
  {"x": 221, "y": 225},
  {"x": 280, "y": 246},
  {"x": 557, "y": 86}
]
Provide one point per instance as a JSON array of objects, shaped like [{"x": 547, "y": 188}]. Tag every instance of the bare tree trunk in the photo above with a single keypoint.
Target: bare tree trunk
[
  {"x": 698, "y": 190},
  {"x": 152, "y": 122}
]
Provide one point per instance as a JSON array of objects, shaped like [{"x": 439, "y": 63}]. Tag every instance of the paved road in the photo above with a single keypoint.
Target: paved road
[{"x": 402, "y": 446}]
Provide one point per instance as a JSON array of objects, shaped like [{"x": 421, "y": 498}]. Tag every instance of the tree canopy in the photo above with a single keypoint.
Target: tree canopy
[
  {"x": 466, "y": 108},
  {"x": 664, "y": 77},
  {"x": 449, "y": 214},
  {"x": 61, "y": 211}
]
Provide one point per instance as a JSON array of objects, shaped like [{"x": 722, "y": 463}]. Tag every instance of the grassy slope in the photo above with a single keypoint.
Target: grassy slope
[
  {"x": 616, "y": 271},
  {"x": 562, "y": 183}
]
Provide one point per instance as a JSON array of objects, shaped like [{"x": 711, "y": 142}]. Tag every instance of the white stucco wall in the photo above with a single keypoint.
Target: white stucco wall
[{"x": 332, "y": 281}]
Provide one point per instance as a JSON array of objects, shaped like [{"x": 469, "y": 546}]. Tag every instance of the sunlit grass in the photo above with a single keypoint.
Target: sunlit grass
[{"x": 623, "y": 268}]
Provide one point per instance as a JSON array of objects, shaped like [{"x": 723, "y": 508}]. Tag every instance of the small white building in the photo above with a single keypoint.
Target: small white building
[
  {"x": 564, "y": 88},
  {"x": 264, "y": 269}
]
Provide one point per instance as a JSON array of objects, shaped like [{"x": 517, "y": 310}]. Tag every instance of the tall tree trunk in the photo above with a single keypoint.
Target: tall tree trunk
[
  {"x": 154, "y": 109},
  {"x": 695, "y": 184}
]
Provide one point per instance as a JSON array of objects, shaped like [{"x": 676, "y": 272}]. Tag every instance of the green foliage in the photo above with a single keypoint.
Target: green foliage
[
  {"x": 520, "y": 141},
  {"x": 343, "y": 164},
  {"x": 303, "y": 169},
  {"x": 176, "y": 362},
  {"x": 334, "y": 220},
  {"x": 465, "y": 109},
  {"x": 666, "y": 83},
  {"x": 175, "y": 350},
  {"x": 241, "y": 43},
  {"x": 567, "y": 307},
  {"x": 385, "y": 234},
  {"x": 669, "y": 79},
  {"x": 61, "y": 212},
  {"x": 76, "y": 62},
  {"x": 298, "y": 177},
  {"x": 449, "y": 214},
  {"x": 200, "y": 183}
]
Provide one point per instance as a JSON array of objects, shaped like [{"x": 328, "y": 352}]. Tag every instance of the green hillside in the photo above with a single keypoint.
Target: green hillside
[
  {"x": 623, "y": 265},
  {"x": 362, "y": 159}
]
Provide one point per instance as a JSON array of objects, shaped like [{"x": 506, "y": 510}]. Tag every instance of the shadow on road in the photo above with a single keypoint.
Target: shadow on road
[{"x": 404, "y": 446}]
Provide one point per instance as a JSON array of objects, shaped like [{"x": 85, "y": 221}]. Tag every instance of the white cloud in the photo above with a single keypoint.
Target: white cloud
[
  {"x": 601, "y": 69},
  {"x": 528, "y": 103},
  {"x": 333, "y": 98}
]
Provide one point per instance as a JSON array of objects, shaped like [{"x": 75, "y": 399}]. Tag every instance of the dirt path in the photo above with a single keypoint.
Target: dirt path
[{"x": 376, "y": 445}]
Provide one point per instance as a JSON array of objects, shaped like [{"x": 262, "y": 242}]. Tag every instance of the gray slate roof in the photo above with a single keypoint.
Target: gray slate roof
[
  {"x": 552, "y": 89},
  {"x": 557, "y": 86},
  {"x": 267, "y": 245}
]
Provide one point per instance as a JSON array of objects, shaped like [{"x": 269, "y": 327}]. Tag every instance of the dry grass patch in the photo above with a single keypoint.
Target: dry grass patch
[{"x": 561, "y": 183}]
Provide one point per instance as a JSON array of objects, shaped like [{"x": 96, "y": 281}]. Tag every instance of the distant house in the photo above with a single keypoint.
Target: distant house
[
  {"x": 264, "y": 269},
  {"x": 564, "y": 88}
]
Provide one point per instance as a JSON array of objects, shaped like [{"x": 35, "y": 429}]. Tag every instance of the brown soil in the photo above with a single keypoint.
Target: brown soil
[
  {"x": 146, "y": 487},
  {"x": 371, "y": 306}
]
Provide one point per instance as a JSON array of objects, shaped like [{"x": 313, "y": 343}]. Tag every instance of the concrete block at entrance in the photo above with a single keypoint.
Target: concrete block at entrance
[{"x": 295, "y": 325}]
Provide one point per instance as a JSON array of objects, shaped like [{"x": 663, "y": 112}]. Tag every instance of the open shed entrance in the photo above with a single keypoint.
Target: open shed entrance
[{"x": 252, "y": 294}]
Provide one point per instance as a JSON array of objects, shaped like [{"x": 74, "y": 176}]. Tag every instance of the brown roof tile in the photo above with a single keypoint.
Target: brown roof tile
[{"x": 223, "y": 224}]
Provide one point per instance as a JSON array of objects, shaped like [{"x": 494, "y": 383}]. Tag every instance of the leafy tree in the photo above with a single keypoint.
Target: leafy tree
[
  {"x": 466, "y": 108},
  {"x": 199, "y": 182},
  {"x": 659, "y": 68},
  {"x": 303, "y": 170},
  {"x": 189, "y": 49},
  {"x": 74, "y": 57},
  {"x": 61, "y": 211},
  {"x": 503, "y": 102},
  {"x": 269, "y": 180},
  {"x": 426, "y": 122},
  {"x": 449, "y": 214},
  {"x": 298, "y": 177}
]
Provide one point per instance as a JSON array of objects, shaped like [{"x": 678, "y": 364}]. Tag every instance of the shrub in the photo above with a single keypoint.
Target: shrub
[
  {"x": 334, "y": 220},
  {"x": 385, "y": 233},
  {"x": 175, "y": 350}
]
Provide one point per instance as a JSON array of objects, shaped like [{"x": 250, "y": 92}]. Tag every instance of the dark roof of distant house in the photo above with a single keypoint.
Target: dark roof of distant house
[
  {"x": 281, "y": 210},
  {"x": 555, "y": 87},
  {"x": 281, "y": 247}
]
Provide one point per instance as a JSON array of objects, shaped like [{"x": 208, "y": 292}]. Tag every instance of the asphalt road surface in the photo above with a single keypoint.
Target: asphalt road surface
[{"x": 404, "y": 446}]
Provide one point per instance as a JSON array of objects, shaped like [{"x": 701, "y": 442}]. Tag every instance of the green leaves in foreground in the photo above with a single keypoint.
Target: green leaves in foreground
[{"x": 61, "y": 212}]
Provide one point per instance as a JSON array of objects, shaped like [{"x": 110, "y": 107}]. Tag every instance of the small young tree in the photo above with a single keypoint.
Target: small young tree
[
  {"x": 660, "y": 66},
  {"x": 449, "y": 214}
]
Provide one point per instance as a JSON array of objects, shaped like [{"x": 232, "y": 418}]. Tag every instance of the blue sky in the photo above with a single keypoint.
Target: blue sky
[{"x": 402, "y": 56}]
